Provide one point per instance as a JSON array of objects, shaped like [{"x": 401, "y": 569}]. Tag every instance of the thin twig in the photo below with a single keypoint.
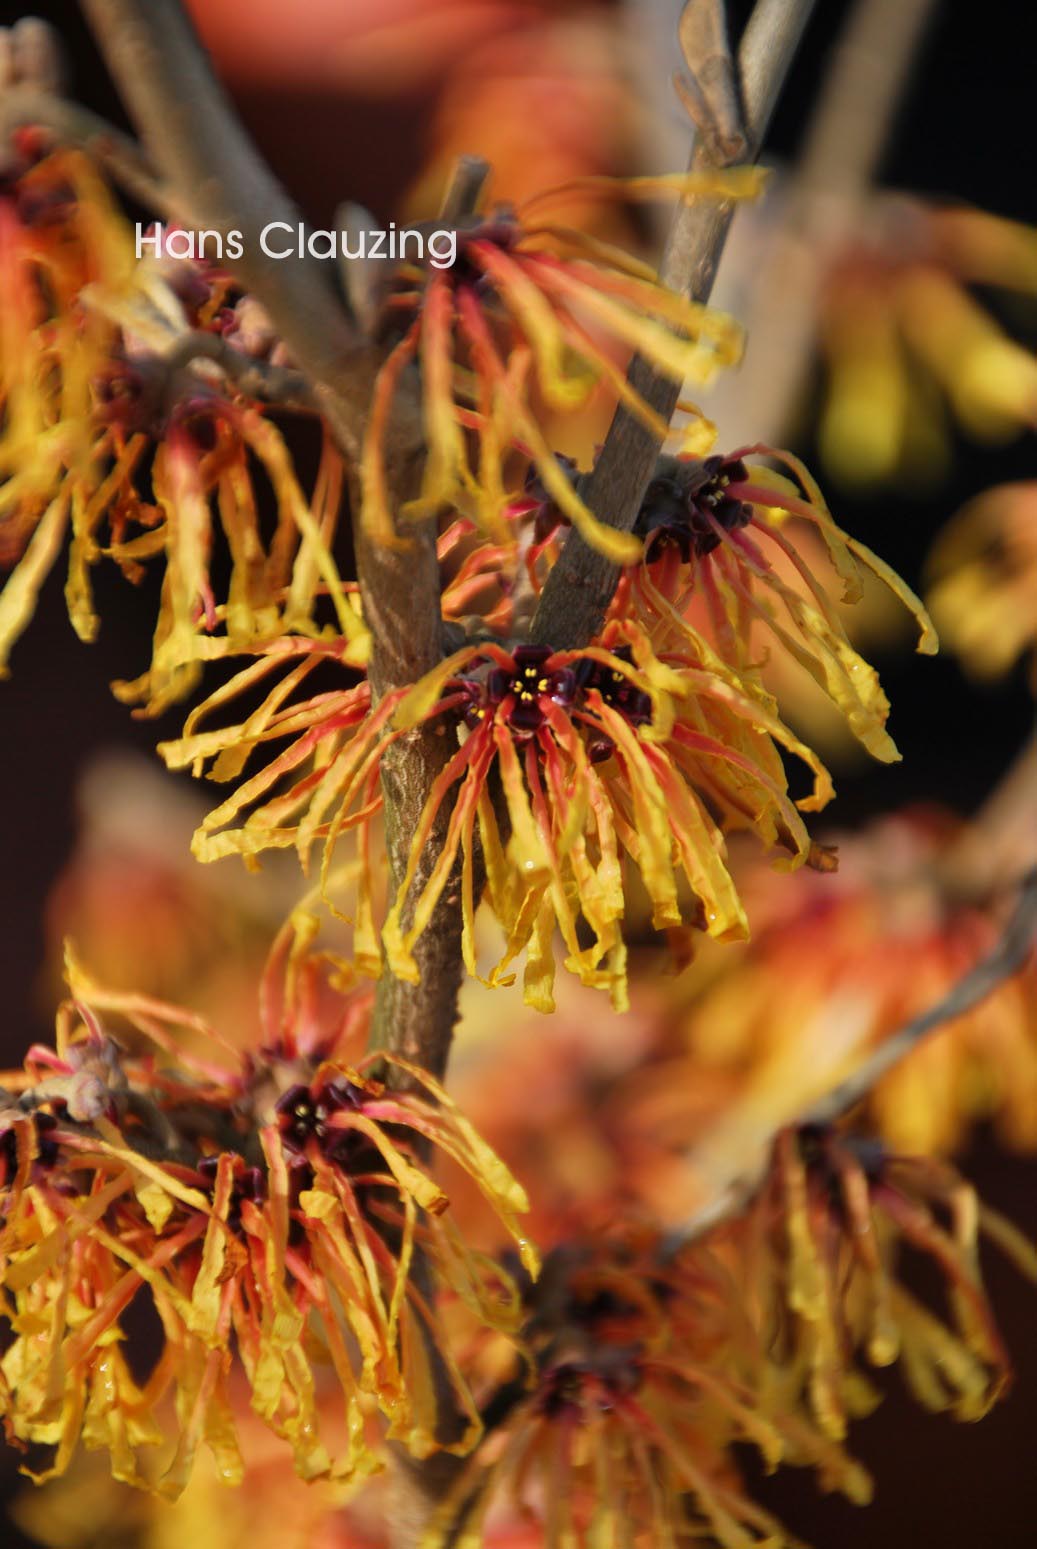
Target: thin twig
[
  {"x": 402, "y": 1021},
  {"x": 1009, "y": 956},
  {"x": 464, "y": 189},
  {"x": 710, "y": 92},
  {"x": 580, "y": 587},
  {"x": 848, "y": 132},
  {"x": 199, "y": 145}
]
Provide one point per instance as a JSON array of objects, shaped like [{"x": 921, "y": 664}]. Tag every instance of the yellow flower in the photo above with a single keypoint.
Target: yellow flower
[
  {"x": 983, "y": 590},
  {"x": 93, "y": 415},
  {"x": 275, "y": 1233},
  {"x": 526, "y": 309},
  {"x": 822, "y": 1245},
  {"x": 610, "y": 760},
  {"x": 638, "y": 1383},
  {"x": 713, "y": 530},
  {"x": 902, "y": 335}
]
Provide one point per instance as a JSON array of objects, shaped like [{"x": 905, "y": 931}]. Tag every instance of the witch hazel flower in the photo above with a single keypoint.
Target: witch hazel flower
[
  {"x": 609, "y": 759},
  {"x": 827, "y": 1234},
  {"x": 636, "y": 1387},
  {"x": 612, "y": 761},
  {"x": 271, "y": 1205},
  {"x": 106, "y": 445},
  {"x": 718, "y": 550},
  {"x": 531, "y": 307}
]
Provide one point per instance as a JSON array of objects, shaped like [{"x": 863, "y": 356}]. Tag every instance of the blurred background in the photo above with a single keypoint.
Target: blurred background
[{"x": 370, "y": 100}]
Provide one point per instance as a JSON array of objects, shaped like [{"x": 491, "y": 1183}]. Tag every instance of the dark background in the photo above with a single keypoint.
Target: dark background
[{"x": 966, "y": 130}]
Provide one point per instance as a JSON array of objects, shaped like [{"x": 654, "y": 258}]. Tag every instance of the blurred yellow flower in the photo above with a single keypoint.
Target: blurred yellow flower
[
  {"x": 839, "y": 963},
  {"x": 983, "y": 579},
  {"x": 903, "y": 336}
]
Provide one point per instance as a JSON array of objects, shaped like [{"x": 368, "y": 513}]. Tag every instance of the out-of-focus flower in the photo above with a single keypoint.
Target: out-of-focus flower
[
  {"x": 639, "y": 1385},
  {"x": 87, "y": 1509},
  {"x": 276, "y": 1229},
  {"x": 983, "y": 588},
  {"x": 373, "y": 46},
  {"x": 545, "y": 104},
  {"x": 91, "y": 405},
  {"x": 839, "y": 963},
  {"x": 822, "y": 1247},
  {"x": 898, "y": 321},
  {"x": 145, "y": 915},
  {"x": 272, "y": 1509},
  {"x": 525, "y": 308},
  {"x": 536, "y": 1088}
]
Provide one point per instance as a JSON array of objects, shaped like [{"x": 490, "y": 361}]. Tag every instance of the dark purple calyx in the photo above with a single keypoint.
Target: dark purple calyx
[
  {"x": 618, "y": 692},
  {"x": 819, "y": 1147},
  {"x": 570, "y": 1388},
  {"x": 536, "y": 502},
  {"x": 684, "y": 507},
  {"x": 500, "y": 230},
  {"x": 46, "y": 1147},
  {"x": 304, "y": 1114},
  {"x": 249, "y": 1184}
]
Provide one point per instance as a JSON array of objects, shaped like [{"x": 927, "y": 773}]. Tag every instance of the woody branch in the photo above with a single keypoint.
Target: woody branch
[{"x": 208, "y": 162}]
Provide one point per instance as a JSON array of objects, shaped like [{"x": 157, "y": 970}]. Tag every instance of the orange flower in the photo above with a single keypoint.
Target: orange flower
[
  {"x": 272, "y": 1509},
  {"x": 713, "y": 529},
  {"x": 637, "y": 1390},
  {"x": 284, "y": 1214},
  {"x": 822, "y": 1245},
  {"x": 857, "y": 955},
  {"x": 609, "y": 758}
]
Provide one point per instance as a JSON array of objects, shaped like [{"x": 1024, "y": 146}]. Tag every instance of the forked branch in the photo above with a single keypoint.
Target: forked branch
[{"x": 580, "y": 586}]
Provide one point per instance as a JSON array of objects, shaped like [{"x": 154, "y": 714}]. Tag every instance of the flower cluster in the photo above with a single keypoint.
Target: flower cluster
[
  {"x": 310, "y": 1224},
  {"x": 635, "y": 755},
  {"x": 275, "y": 1235},
  {"x": 109, "y": 437},
  {"x": 858, "y": 955}
]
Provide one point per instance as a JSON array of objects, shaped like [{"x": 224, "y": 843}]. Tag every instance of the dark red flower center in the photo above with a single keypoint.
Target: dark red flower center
[
  {"x": 304, "y": 1113},
  {"x": 528, "y": 686},
  {"x": 686, "y": 506}
]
